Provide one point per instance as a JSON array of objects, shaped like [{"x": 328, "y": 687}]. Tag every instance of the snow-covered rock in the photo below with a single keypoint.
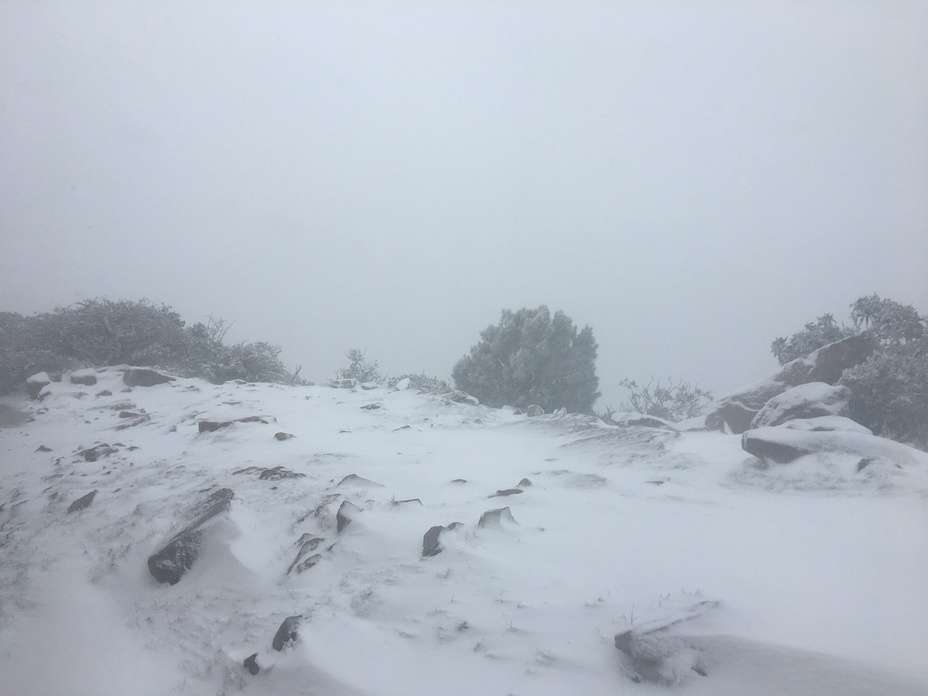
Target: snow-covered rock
[
  {"x": 827, "y": 423},
  {"x": 809, "y": 400},
  {"x": 736, "y": 411},
  {"x": 780, "y": 445}
]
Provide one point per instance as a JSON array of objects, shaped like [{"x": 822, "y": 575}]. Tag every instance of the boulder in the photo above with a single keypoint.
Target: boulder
[
  {"x": 287, "y": 633},
  {"x": 82, "y": 502},
  {"x": 431, "y": 540},
  {"x": 810, "y": 400},
  {"x": 782, "y": 445},
  {"x": 496, "y": 518},
  {"x": 85, "y": 377},
  {"x": 346, "y": 513},
  {"x": 177, "y": 556},
  {"x": 36, "y": 383},
  {"x": 736, "y": 411},
  {"x": 534, "y": 410},
  {"x": 504, "y": 492},
  {"x": 281, "y": 436},
  {"x": 144, "y": 377}
]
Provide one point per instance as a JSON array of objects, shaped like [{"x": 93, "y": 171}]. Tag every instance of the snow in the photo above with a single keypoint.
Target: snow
[{"x": 820, "y": 590}]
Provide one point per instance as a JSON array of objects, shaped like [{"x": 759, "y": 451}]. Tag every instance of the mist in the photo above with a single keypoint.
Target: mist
[{"x": 692, "y": 180}]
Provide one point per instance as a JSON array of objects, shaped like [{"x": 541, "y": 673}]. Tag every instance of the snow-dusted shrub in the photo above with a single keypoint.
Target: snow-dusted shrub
[
  {"x": 674, "y": 402},
  {"x": 814, "y": 335},
  {"x": 359, "y": 368},
  {"x": 112, "y": 332},
  {"x": 532, "y": 357}
]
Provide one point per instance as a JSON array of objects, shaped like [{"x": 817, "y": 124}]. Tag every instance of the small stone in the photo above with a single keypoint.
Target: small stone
[
  {"x": 287, "y": 633},
  {"x": 82, "y": 502},
  {"x": 283, "y": 436},
  {"x": 43, "y": 448},
  {"x": 502, "y": 493},
  {"x": 251, "y": 664},
  {"x": 524, "y": 483},
  {"x": 346, "y": 512}
]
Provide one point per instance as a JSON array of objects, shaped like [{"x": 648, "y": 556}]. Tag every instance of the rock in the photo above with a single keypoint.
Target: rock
[
  {"x": 827, "y": 424},
  {"x": 82, "y": 502},
  {"x": 524, "y": 483},
  {"x": 104, "y": 392},
  {"x": 403, "y": 384},
  {"x": 36, "y": 383},
  {"x": 809, "y": 400},
  {"x": 344, "y": 516},
  {"x": 212, "y": 426},
  {"x": 372, "y": 407},
  {"x": 502, "y": 493},
  {"x": 178, "y": 555},
  {"x": 85, "y": 377},
  {"x": 43, "y": 448},
  {"x": 781, "y": 445},
  {"x": 737, "y": 410},
  {"x": 278, "y": 473},
  {"x": 97, "y": 452},
  {"x": 534, "y": 410},
  {"x": 496, "y": 518},
  {"x": 431, "y": 540},
  {"x": 283, "y": 436},
  {"x": 343, "y": 383},
  {"x": 358, "y": 481},
  {"x": 305, "y": 559},
  {"x": 144, "y": 377},
  {"x": 287, "y": 633},
  {"x": 459, "y": 397},
  {"x": 251, "y": 664},
  {"x": 642, "y": 420}
]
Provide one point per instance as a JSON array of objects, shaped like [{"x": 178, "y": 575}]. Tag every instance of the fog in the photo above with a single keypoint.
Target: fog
[{"x": 691, "y": 179}]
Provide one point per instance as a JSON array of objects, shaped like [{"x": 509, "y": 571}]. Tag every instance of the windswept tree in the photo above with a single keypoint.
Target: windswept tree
[{"x": 531, "y": 357}]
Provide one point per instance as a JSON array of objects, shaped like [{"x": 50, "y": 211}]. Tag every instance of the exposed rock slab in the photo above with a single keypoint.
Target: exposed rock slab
[
  {"x": 781, "y": 445},
  {"x": 82, "y": 502},
  {"x": 287, "y": 633},
  {"x": 177, "y": 556}
]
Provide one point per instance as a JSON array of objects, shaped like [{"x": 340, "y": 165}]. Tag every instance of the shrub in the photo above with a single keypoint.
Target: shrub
[
  {"x": 814, "y": 335},
  {"x": 359, "y": 368},
  {"x": 532, "y": 357},
  {"x": 107, "y": 332},
  {"x": 675, "y": 402}
]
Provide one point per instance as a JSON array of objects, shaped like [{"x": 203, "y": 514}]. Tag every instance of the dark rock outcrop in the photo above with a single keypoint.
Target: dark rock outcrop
[
  {"x": 206, "y": 426},
  {"x": 43, "y": 448},
  {"x": 82, "y": 502},
  {"x": 810, "y": 400},
  {"x": 737, "y": 410},
  {"x": 143, "y": 377},
  {"x": 177, "y": 556},
  {"x": 287, "y": 633}
]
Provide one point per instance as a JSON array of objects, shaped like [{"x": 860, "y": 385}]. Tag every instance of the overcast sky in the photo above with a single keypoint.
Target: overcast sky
[{"x": 691, "y": 179}]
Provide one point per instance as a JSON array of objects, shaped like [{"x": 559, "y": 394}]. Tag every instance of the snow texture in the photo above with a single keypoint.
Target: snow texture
[{"x": 819, "y": 584}]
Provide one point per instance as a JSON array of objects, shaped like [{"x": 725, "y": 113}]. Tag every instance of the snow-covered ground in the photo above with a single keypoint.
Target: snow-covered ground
[{"x": 819, "y": 576}]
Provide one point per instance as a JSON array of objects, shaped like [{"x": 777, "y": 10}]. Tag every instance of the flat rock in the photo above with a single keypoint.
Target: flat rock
[
  {"x": 358, "y": 481},
  {"x": 503, "y": 492},
  {"x": 781, "y": 445},
  {"x": 144, "y": 377}
]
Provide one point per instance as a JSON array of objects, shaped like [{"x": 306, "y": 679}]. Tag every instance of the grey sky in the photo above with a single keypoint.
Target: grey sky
[{"x": 692, "y": 179}]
